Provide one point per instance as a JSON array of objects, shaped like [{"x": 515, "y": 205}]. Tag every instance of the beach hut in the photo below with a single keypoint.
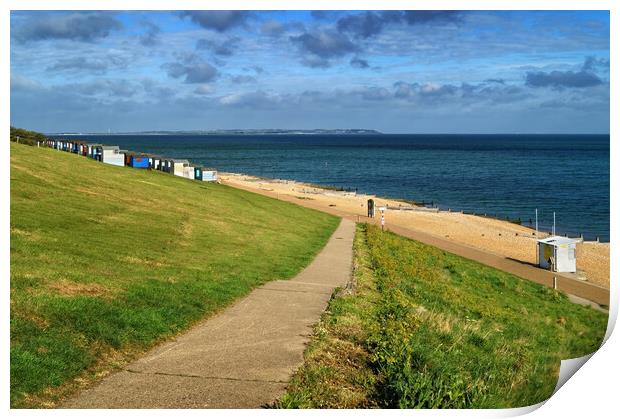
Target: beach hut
[
  {"x": 93, "y": 152},
  {"x": 111, "y": 154},
  {"x": 164, "y": 165},
  {"x": 188, "y": 171},
  {"x": 137, "y": 160},
  {"x": 127, "y": 156},
  {"x": 140, "y": 162},
  {"x": 78, "y": 147},
  {"x": 209, "y": 175},
  {"x": 154, "y": 162},
  {"x": 177, "y": 165},
  {"x": 558, "y": 254},
  {"x": 206, "y": 175}
]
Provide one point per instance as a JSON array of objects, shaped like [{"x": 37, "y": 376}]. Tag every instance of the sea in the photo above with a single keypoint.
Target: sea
[{"x": 504, "y": 176}]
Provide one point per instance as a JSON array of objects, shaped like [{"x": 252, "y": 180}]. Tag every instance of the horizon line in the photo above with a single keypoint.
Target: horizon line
[{"x": 375, "y": 131}]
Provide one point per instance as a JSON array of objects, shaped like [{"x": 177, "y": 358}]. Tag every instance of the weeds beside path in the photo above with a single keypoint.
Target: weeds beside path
[{"x": 428, "y": 329}]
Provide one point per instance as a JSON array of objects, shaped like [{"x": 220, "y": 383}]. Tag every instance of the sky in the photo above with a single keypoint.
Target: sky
[{"x": 393, "y": 71}]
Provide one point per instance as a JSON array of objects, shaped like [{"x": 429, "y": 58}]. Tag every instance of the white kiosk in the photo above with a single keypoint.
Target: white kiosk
[{"x": 558, "y": 254}]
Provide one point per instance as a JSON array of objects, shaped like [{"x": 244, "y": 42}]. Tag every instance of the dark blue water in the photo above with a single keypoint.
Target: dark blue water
[{"x": 501, "y": 175}]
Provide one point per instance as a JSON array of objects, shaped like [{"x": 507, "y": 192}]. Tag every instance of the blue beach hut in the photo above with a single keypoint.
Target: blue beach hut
[{"x": 139, "y": 161}]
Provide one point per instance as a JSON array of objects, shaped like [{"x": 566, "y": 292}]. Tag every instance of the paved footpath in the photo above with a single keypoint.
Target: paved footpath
[{"x": 240, "y": 358}]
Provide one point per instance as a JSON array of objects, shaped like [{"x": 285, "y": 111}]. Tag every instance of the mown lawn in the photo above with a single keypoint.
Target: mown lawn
[
  {"x": 429, "y": 329},
  {"x": 108, "y": 261}
]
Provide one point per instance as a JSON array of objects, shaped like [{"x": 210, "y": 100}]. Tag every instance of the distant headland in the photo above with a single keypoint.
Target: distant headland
[{"x": 346, "y": 131}]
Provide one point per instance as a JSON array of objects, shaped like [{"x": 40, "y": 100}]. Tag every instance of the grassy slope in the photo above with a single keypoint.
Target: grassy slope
[
  {"x": 106, "y": 261},
  {"x": 430, "y": 329}
]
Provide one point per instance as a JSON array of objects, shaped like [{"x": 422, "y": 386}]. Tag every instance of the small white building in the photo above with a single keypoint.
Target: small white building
[
  {"x": 188, "y": 171},
  {"x": 209, "y": 175},
  {"x": 558, "y": 254},
  {"x": 176, "y": 167},
  {"x": 111, "y": 154},
  {"x": 182, "y": 168}
]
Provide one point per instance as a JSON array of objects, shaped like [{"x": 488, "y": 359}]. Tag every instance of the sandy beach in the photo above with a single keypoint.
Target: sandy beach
[{"x": 491, "y": 235}]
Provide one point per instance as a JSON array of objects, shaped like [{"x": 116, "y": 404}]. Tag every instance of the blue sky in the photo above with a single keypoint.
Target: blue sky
[{"x": 396, "y": 71}]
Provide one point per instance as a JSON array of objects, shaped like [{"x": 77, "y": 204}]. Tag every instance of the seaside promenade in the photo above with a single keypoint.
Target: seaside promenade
[
  {"x": 240, "y": 358},
  {"x": 573, "y": 287}
]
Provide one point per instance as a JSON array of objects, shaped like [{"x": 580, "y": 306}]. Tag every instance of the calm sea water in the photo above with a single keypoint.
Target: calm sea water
[{"x": 502, "y": 175}]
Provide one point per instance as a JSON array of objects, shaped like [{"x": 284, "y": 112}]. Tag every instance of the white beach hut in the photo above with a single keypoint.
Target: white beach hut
[
  {"x": 177, "y": 167},
  {"x": 209, "y": 175},
  {"x": 558, "y": 254},
  {"x": 188, "y": 171},
  {"x": 111, "y": 154}
]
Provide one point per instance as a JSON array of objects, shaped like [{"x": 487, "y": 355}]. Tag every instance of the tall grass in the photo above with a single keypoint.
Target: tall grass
[{"x": 434, "y": 330}]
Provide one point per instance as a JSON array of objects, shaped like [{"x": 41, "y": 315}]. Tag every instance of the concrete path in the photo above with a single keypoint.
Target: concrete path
[{"x": 241, "y": 358}]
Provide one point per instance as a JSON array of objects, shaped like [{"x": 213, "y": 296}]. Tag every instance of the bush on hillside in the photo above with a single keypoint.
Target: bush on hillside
[{"x": 24, "y": 136}]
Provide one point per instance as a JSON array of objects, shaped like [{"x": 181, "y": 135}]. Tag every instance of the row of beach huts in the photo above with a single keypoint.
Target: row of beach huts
[{"x": 113, "y": 155}]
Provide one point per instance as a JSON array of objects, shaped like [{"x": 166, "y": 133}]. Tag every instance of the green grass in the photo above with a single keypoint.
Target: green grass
[
  {"x": 428, "y": 329},
  {"x": 108, "y": 261}
]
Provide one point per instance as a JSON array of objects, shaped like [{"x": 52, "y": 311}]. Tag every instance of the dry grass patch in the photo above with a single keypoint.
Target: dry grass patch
[
  {"x": 144, "y": 262},
  {"x": 28, "y": 235},
  {"x": 72, "y": 289}
]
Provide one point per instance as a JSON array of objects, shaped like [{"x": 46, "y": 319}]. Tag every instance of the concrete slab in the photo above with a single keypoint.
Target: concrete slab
[
  {"x": 242, "y": 357},
  {"x": 157, "y": 391}
]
